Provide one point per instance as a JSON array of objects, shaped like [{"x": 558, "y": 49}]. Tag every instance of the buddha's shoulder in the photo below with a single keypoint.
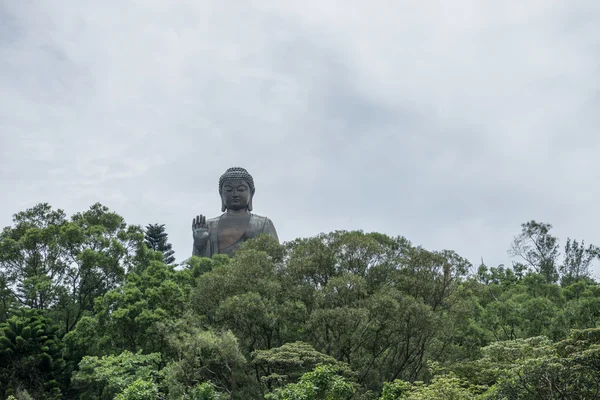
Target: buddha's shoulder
[
  {"x": 255, "y": 217},
  {"x": 213, "y": 221},
  {"x": 260, "y": 218}
]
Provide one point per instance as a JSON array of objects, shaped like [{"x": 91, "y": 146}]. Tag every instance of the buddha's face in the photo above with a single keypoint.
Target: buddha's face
[{"x": 236, "y": 194}]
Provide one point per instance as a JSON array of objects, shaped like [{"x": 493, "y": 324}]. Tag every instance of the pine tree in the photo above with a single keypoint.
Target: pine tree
[{"x": 156, "y": 239}]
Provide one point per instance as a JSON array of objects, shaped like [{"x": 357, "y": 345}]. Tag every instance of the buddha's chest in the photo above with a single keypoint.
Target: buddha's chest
[{"x": 233, "y": 230}]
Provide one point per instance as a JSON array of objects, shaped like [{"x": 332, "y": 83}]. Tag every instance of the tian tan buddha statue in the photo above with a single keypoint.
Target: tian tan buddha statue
[{"x": 226, "y": 233}]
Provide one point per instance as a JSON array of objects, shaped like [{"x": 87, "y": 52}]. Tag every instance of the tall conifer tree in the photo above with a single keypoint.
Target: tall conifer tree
[{"x": 156, "y": 239}]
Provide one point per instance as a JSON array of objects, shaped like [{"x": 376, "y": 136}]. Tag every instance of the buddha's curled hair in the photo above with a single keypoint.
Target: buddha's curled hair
[{"x": 236, "y": 173}]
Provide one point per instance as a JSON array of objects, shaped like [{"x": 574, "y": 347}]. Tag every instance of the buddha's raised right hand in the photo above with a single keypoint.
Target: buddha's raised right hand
[{"x": 200, "y": 230}]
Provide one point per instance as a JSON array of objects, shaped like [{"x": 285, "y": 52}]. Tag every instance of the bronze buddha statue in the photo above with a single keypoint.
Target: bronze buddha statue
[{"x": 226, "y": 233}]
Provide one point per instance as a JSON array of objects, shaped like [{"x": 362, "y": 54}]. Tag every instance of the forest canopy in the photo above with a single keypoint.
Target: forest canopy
[{"x": 94, "y": 308}]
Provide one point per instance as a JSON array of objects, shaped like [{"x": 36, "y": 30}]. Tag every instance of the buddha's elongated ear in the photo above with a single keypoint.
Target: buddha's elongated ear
[
  {"x": 250, "y": 203},
  {"x": 223, "y": 206}
]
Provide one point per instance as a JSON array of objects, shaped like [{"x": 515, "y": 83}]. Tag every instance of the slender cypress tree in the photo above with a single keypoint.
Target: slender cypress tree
[{"x": 156, "y": 239}]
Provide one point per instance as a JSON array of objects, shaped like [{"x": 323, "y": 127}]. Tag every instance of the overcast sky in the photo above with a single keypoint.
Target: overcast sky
[{"x": 447, "y": 122}]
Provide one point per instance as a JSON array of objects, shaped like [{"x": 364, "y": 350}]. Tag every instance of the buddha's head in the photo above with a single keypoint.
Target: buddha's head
[{"x": 236, "y": 188}]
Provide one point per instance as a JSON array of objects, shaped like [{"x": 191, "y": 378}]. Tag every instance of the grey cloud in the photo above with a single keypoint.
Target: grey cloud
[{"x": 448, "y": 125}]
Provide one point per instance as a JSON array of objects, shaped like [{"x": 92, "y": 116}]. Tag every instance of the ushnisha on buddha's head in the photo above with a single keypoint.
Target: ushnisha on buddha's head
[{"x": 236, "y": 188}]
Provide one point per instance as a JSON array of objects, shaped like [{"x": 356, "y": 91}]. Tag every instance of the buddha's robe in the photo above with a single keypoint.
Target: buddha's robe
[{"x": 226, "y": 233}]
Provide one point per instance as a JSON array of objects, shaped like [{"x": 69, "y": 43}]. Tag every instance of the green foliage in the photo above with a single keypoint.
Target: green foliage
[
  {"x": 132, "y": 317},
  {"x": 89, "y": 310},
  {"x": 577, "y": 261},
  {"x": 568, "y": 369},
  {"x": 139, "y": 390},
  {"x": 62, "y": 265},
  {"x": 156, "y": 239},
  {"x": 323, "y": 383},
  {"x": 197, "y": 266},
  {"x": 205, "y": 356},
  {"x": 21, "y": 395},
  {"x": 287, "y": 363},
  {"x": 442, "y": 387},
  {"x": 205, "y": 391},
  {"x": 30, "y": 356},
  {"x": 540, "y": 250},
  {"x": 8, "y": 300},
  {"x": 105, "y": 377}
]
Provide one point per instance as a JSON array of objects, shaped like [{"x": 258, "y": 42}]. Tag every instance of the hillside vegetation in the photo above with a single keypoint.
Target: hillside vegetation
[{"x": 90, "y": 310}]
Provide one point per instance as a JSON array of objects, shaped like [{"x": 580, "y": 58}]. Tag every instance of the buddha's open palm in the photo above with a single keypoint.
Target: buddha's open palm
[{"x": 199, "y": 229}]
